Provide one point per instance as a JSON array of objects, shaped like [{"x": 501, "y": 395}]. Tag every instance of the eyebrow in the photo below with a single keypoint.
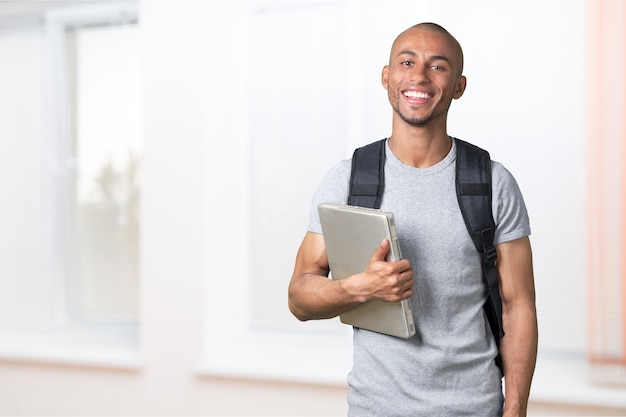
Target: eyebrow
[{"x": 432, "y": 57}]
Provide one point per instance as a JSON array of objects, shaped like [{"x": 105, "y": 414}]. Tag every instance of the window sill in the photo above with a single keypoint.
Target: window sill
[
  {"x": 301, "y": 358},
  {"x": 112, "y": 346},
  {"x": 327, "y": 361}
]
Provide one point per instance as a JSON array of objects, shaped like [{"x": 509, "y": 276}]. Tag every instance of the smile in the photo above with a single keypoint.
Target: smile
[{"x": 416, "y": 94}]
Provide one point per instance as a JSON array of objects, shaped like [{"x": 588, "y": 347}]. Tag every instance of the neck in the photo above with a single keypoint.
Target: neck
[{"x": 420, "y": 147}]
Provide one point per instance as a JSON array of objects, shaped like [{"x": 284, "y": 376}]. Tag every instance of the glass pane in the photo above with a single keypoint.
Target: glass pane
[{"x": 108, "y": 146}]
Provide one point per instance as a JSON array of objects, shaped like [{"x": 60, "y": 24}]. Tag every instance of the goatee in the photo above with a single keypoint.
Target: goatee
[{"x": 423, "y": 121}]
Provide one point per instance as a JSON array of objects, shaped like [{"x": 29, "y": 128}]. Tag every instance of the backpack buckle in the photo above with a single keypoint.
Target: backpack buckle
[
  {"x": 490, "y": 255},
  {"x": 489, "y": 250}
]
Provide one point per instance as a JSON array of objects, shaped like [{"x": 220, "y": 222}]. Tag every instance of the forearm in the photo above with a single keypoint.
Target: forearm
[
  {"x": 519, "y": 353},
  {"x": 313, "y": 297}
]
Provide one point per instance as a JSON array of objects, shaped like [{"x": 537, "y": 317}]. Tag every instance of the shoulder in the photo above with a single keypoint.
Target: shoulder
[
  {"x": 509, "y": 208},
  {"x": 332, "y": 189},
  {"x": 500, "y": 175},
  {"x": 502, "y": 178},
  {"x": 338, "y": 175}
]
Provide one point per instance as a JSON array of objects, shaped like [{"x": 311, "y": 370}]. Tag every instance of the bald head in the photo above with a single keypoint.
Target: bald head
[{"x": 432, "y": 27}]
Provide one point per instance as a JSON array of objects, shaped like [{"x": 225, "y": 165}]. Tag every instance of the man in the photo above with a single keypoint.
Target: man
[{"x": 448, "y": 367}]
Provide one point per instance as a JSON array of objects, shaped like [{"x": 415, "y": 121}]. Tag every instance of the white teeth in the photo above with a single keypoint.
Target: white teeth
[{"x": 416, "y": 94}]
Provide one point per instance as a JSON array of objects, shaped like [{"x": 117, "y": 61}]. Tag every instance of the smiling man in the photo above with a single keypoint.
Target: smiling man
[
  {"x": 450, "y": 367},
  {"x": 410, "y": 57}
]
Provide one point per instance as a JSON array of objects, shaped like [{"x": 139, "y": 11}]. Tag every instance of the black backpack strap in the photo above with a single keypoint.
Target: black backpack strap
[
  {"x": 367, "y": 179},
  {"x": 473, "y": 182}
]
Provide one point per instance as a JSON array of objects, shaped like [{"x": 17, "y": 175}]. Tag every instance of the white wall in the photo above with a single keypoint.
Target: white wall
[{"x": 517, "y": 103}]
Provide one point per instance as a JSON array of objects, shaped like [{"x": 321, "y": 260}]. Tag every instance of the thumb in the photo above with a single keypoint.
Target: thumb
[{"x": 380, "y": 254}]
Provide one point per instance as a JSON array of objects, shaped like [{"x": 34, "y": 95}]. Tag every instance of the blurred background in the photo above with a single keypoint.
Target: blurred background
[{"x": 157, "y": 163}]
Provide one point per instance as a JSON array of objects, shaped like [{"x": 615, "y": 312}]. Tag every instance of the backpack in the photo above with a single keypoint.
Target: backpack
[{"x": 473, "y": 190}]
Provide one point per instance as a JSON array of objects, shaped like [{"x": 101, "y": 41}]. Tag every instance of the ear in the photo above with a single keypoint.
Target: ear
[
  {"x": 460, "y": 87},
  {"x": 385, "y": 76}
]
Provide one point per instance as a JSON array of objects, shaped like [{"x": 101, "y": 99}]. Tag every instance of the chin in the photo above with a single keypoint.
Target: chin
[{"x": 416, "y": 121}]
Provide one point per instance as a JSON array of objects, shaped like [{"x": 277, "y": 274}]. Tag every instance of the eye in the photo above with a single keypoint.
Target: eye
[{"x": 406, "y": 63}]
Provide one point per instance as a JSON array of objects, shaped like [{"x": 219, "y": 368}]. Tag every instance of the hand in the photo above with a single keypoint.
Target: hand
[{"x": 382, "y": 280}]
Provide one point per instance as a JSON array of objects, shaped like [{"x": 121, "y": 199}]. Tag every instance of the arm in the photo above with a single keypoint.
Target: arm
[
  {"x": 313, "y": 296},
  {"x": 519, "y": 345}
]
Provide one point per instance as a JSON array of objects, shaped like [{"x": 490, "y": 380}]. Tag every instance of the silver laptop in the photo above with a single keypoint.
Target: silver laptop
[{"x": 351, "y": 235}]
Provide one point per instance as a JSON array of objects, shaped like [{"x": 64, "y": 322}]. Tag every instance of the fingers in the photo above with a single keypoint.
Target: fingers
[
  {"x": 405, "y": 285},
  {"x": 397, "y": 285}
]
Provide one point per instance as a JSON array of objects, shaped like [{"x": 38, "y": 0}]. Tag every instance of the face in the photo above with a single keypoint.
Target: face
[{"x": 423, "y": 76}]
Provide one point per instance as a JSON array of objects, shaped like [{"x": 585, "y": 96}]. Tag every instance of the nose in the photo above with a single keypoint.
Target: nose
[{"x": 419, "y": 74}]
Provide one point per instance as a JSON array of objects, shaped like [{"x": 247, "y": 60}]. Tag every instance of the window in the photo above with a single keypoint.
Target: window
[
  {"x": 269, "y": 191},
  {"x": 71, "y": 279},
  {"x": 107, "y": 153}
]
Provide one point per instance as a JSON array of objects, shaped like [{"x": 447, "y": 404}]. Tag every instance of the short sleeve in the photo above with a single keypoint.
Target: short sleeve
[
  {"x": 509, "y": 208},
  {"x": 333, "y": 189}
]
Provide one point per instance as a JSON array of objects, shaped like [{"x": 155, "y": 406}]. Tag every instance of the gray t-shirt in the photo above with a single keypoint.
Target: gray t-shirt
[{"x": 448, "y": 367}]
